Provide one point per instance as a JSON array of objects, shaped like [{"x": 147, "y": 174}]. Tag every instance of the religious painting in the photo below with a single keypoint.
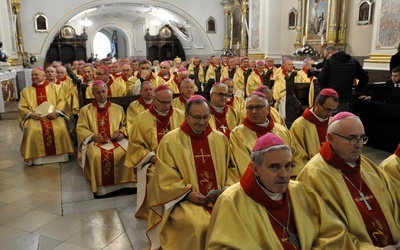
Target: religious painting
[
  {"x": 364, "y": 12},
  {"x": 254, "y": 38},
  {"x": 211, "y": 25},
  {"x": 236, "y": 26},
  {"x": 40, "y": 23},
  {"x": 165, "y": 32},
  {"x": 67, "y": 32},
  {"x": 292, "y": 19},
  {"x": 317, "y": 19},
  {"x": 389, "y": 24}
]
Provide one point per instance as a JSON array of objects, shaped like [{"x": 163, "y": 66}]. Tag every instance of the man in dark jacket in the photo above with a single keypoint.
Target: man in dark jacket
[{"x": 340, "y": 72}]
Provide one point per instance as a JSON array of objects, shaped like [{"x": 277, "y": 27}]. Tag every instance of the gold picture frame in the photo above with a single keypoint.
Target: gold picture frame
[
  {"x": 317, "y": 20},
  {"x": 67, "y": 32},
  {"x": 364, "y": 12}
]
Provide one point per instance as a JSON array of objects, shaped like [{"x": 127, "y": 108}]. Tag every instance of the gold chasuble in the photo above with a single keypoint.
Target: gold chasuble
[
  {"x": 179, "y": 103},
  {"x": 361, "y": 196},
  {"x": 244, "y": 217},
  {"x": 226, "y": 121},
  {"x": 237, "y": 102},
  {"x": 115, "y": 88},
  {"x": 134, "y": 109},
  {"x": 103, "y": 163},
  {"x": 147, "y": 130},
  {"x": 244, "y": 136},
  {"x": 309, "y": 133},
  {"x": 186, "y": 162},
  {"x": 43, "y": 137},
  {"x": 391, "y": 166},
  {"x": 174, "y": 85}
]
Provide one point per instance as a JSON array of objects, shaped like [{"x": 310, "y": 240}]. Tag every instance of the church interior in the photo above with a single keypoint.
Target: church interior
[{"x": 52, "y": 206}]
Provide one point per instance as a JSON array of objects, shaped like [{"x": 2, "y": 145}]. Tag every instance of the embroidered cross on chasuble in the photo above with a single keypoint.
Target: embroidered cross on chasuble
[{"x": 47, "y": 126}]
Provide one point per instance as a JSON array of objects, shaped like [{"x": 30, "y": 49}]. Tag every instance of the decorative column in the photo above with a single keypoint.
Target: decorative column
[
  {"x": 243, "y": 41},
  {"x": 227, "y": 13},
  {"x": 16, "y": 5},
  {"x": 299, "y": 22},
  {"x": 343, "y": 24},
  {"x": 332, "y": 38}
]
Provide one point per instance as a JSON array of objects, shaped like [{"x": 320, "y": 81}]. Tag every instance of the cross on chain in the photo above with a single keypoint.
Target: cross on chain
[
  {"x": 292, "y": 238},
  {"x": 202, "y": 155},
  {"x": 223, "y": 128},
  {"x": 165, "y": 131},
  {"x": 365, "y": 199}
]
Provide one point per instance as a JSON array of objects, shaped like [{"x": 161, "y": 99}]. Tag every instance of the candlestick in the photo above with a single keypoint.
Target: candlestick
[{"x": 304, "y": 40}]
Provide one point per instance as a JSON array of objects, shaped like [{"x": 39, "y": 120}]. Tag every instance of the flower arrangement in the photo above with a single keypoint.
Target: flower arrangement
[
  {"x": 28, "y": 59},
  {"x": 306, "y": 51},
  {"x": 3, "y": 56}
]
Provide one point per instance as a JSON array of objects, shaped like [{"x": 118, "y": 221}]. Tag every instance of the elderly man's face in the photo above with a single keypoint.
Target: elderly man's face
[
  {"x": 350, "y": 128},
  {"x": 147, "y": 92},
  {"x": 274, "y": 172},
  {"x": 260, "y": 67},
  {"x": 256, "y": 109},
  {"x": 164, "y": 68},
  {"x": 269, "y": 62},
  {"x": 163, "y": 100},
  {"x": 88, "y": 73},
  {"x": 37, "y": 76},
  {"x": 50, "y": 74},
  {"x": 219, "y": 97},
  {"x": 100, "y": 93},
  {"x": 230, "y": 87},
  {"x": 288, "y": 65},
  {"x": 117, "y": 68},
  {"x": 101, "y": 74},
  {"x": 198, "y": 116},
  {"x": 187, "y": 89},
  {"x": 127, "y": 71},
  {"x": 61, "y": 73}
]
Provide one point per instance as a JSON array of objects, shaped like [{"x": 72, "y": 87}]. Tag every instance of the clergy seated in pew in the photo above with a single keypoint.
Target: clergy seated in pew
[
  {"x": 42, "y": 113},
  {"x": 188, "y": 88},
  {"x": 224, "y": 117},
  {"x": 353, "y": 187},
  {"x": 192, "y": 160},
  {"x": 141, "y": 104},
  {"x": 102, "y": 143},
  {"x": 237, "y": 102},
  {"x": 146, "y": 132},
  {"x": 258, "y": 122},
  {"x": 309, "y": 130},
  {"x": 267, "y": 210},
  {"x": 272, "y": 111}
]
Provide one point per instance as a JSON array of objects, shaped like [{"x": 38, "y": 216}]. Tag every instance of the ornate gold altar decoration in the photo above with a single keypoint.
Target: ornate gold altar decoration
[
  {"x": 16, "y": 5},
  {"x": 321, "y": 23},
  {"x": 236, "y": 19}
]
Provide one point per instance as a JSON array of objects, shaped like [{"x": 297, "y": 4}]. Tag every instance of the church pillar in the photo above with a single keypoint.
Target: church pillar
[
  {"x": 343, "y": 24},
  {"x": 16, "y": 5},
  {"x": 299, "y": 22},
  {"x": 228, "y": 27},
  {"x": 333, "y": 23},
  {"x": 243, "y": 41}
]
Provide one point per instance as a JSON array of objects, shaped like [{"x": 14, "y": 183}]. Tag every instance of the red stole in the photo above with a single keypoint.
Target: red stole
[
  {"x": 214, "y": 65},
  {"x": 116, "y": 75},
  {"x": 182, "y": 99},
  {"x": 165, "y": 77},
  {"x": 230, "y": 102},
  {"x": 163, "y": 122},
  {"x": 124, "y": 78},
  {"x": 397, "y": 152},
  {"x": 321, "y": 127},
  {"x": 206, "y": 176},
  {"x": 221, "y": 123},
  {"x": 259, "y": 130},
  {"x": 374, "y": 220},
  {"x": 107, "y": 156},
  {"x": 109, "y": 83},
  {"x": 243, "y": 69},
  {"x": 143, "y": 103},
  {"x": 284, "y": 71},
  {"x": 278, "y": 209},
  {"x": 47, "y": 126},
  {"x": 259, "y": 75},
  {"x": 58, "y": 81},
  {"x": 177, "y": 83}
]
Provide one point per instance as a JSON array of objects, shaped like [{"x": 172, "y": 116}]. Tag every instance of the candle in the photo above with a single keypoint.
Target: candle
[
  {"x": 304, "y": 40},
  {"x": 237, "y": 45},
  {"x": 322, "y": 40}
]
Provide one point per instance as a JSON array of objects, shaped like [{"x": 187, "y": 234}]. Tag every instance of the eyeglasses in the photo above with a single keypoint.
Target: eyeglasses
[
  {"x": 100, "y": 74},
  {"x": 353, "y": 140},
  {"x": 164, "y": 67},
  {"x": 257, "y": 108},
  {"x": 222, "y": 95},
  {"x": 198, "y": 118},
  {"x": 163, "y": 102},
  {"x": 328, "y": 110}
]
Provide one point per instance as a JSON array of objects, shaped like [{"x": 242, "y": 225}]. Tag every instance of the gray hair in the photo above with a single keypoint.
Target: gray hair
[
  {"x": 257, "y": 156},
  {"x": 222, "y": 86},
  {"x": 252, "y": 95},
  {"x": 333, "y": 127}
]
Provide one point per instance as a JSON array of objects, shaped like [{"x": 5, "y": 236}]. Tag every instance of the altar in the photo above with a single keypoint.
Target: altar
[{"x": 8, "y": 88}]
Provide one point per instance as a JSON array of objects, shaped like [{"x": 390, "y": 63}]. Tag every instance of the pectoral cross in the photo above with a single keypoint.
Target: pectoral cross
[
  {"x": 292, "y": 238},
  {"x": 41, "y": 96},
  {"x": 365, "y": 200},
  {"x": 164, "y": 131},
  {"x": 202, "y": 155},
  {"x": 223, "y": 128}
]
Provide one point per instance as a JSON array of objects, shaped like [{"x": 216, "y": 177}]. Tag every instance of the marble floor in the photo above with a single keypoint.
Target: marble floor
[{"x": 51, "y": 206}]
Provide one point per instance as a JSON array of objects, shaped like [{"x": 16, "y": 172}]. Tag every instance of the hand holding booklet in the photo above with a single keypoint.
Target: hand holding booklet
[
  {"x": 44, "y": 109},
  {"x": 213, "y": 194}
]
